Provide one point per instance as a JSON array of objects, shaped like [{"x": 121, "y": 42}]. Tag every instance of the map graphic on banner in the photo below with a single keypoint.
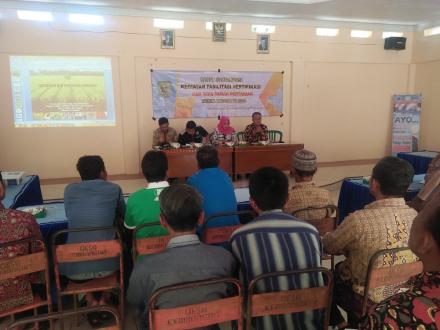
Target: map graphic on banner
[
  {"x": 196, "y": 94},
  {"x": 406, "y": 123}
]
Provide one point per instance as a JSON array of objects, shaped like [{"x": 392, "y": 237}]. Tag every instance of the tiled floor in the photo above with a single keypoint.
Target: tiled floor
[{"x": 329, "y": 177}]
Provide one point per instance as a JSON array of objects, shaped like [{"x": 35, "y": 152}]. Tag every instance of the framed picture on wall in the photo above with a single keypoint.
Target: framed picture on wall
[
  {"x": 263, "y": 43},
  {"x": 219, "y": 32},
  {"x": 167, "y": 39}
]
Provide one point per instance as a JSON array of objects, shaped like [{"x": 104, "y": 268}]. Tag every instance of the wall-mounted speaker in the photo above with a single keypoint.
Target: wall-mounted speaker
[{"x": 395, "y": 43}]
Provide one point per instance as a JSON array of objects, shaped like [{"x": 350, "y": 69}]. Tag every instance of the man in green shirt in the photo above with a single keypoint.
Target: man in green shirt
[{"x": 143, "y": 205}]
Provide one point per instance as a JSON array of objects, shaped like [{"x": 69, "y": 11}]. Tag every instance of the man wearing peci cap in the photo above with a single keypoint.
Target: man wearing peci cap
[
  {"x": 304, "y": 192},
  {"x": 193, "y": 134}
]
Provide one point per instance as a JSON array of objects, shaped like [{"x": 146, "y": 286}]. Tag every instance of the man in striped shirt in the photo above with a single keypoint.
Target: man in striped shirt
[{"x": 276, "y": 241}]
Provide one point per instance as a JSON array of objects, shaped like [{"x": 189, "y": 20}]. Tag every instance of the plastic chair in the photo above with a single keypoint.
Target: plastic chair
[
  {"x": 63, "y": 315},
  {"x": 25, "y": 265},
  {"x": 219, "y": 235},
  {"x": 324, "y": 225},
  {"x": 290, "y": 301},
  {"x": 88, "y": 251},
  {"x": 275, "y": 136},
  {"x": 197, "y": 315},
  {"x": 149, "y": 245},
  {"x": 240, "y": 136}
]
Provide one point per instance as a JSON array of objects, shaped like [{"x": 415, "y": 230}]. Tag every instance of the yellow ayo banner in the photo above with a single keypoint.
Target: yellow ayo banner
[{"x": 195, "y": 94}]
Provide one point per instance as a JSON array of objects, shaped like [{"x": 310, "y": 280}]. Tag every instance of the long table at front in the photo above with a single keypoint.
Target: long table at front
[{"x": 234, "y": 160}]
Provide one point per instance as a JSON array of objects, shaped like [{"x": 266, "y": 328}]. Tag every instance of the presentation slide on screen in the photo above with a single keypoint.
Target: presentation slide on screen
[{"x": 60, "y": 91}]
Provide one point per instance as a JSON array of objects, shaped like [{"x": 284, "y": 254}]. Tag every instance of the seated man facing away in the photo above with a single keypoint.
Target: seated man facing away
[
  {"x": 215, "y": 186},
  {"x": 276, "y": 241},
  {"x": 14, "y": 226},
  {"x": 165, "y": 134},
  {"x": 143, "y": 205},
  {"x": 383, "y": 224},
  {"x": 193, "y": 134},
  {"x": 93, "y": 202},
  {"x": 304, "y": 193},
  {"x": 256, "y": 131},
  {"x": 431, "y": 187},
  {"x": 418, "y": 304},
  {"x": 185, "y": 258}
]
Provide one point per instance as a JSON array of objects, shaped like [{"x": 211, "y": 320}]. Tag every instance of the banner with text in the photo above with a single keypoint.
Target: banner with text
[
  {"x": 192, "y": 94},
  {"x": 406, "y": 123}
]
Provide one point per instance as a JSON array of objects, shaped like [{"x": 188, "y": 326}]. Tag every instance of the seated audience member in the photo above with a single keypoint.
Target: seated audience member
[
  {"x": 383, "y": 224},
  {"x": 418, "y": 304},
  {"x": 215, "y": 186},
  {"x": 276, "y": 241},
  {"x": 143, "y": 205},
  {"x": 256, "y": 131},
  {"x": 304, "y": 193},
  {"x": 185, "y": 258},
  {"x": 93, "y": 202},
  {"x": 193, "y": 134},
  {"x": 165, "y": 134},
  {"x": 432, "y": 185},
  {"x": 223, "y": 132},
  {"x": 14, "y": 226}
]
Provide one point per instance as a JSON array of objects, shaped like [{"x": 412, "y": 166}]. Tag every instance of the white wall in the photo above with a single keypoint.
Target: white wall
[{"x": 337, "y": 91}]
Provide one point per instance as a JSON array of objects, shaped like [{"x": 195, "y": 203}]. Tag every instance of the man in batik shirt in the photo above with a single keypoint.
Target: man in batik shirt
[
  {"x": 16, "y": 225},
  {"x": 418, "y": 306},
  {"x": 256, "y": 131},
  {"x": 304, "y": 192}
]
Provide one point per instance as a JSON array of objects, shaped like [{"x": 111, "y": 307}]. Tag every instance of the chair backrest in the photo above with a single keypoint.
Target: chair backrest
[
  {"x": 290, "y": 301},
  {"x": 388, "y": 275},
  {"x": 275, "y": 136},
  {"x": 63, "y": 315},
  {"x": 240, "y": 136},
  {"x": 149, "y": 245},
  {"x": 87, "y": 251},
  {"x": 324, "y": 225},
  {"x": 218, "y": 235},
  {"x": 197, "y": 315}
]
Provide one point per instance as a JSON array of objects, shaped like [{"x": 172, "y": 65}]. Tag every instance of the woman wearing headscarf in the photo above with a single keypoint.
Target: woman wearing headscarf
[{"x": 224, "y": 132}]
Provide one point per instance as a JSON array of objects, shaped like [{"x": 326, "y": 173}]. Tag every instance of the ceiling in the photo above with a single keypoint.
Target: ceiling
[{"x": 420, "y": 13}]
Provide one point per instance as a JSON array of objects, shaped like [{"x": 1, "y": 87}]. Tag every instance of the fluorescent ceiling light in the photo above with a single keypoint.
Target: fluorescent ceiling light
[
  {"x": 41, "y": 16},
  {"x": 86, "y": 19},
  {"x": 168, "y": 23},
  {"x": 391, "y": 34},
  {"x": 297, "y": 2},
  {"x": 324, "y": 32},
  {"x": 208, "y": 26},
  {"x": 263, "y": 28},
  {"x": 361, "y": 34},
  {"x": 432, "y": 31}
]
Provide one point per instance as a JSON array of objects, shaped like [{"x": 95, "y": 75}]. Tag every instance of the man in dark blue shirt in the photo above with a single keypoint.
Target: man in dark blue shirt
[{"x": 193, "y": 134}]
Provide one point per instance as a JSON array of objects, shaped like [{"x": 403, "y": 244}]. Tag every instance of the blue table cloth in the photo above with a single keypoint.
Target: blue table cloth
[
  {"x": 28, "y": 192},
  {"x": 355, "y": 194},
  {"x": 419, "y": 160}
]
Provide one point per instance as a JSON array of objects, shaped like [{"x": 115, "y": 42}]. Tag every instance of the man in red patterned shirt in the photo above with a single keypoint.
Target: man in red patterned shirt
[
  {"x": 418, "y": 304},
  {"x": 16, "y": 225},
  {"x": 256, "y": 131}
]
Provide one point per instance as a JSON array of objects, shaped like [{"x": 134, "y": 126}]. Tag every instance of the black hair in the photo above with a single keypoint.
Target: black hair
[
  {"x": 432, "y": 223},
  {"x": 394, "y": 176},
  {"x": 1, "y": 177},
  {"x": 207, "y": 157},
  {"x": 303, "y": 174},
  {"x": 181, "y": 206},
  {"x": 90, "y": 167},
  {"x": 191, "y": 124},
  {"x": 269, "y": 188},
  {"x": 256, "y": 113},
  {"x": 163, "y": 120},
  {"x": 155, "y": 166}
]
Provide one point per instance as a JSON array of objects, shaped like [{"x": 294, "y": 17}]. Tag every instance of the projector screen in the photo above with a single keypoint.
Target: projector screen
[{"x": 60, "y": 91}]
